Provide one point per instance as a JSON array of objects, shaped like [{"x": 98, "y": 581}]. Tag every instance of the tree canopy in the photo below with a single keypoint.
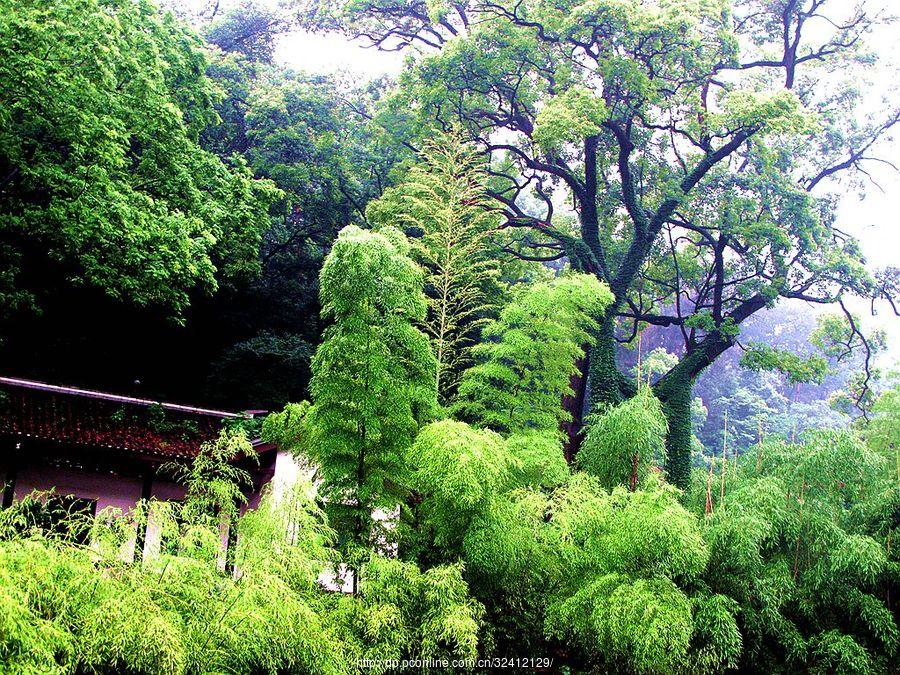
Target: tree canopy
[{"x": 103, "y": 178}]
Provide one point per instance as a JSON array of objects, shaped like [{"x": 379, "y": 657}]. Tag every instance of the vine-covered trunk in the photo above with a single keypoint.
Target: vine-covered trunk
[
  {"x": 675, "y": 395},
  {"x": 606, "y": 385}
]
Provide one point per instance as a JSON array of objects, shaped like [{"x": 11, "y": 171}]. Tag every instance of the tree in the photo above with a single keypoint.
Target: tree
[
  {"x": 373, "y": 377},
  {"x": 442, "y": 202},
  {"x": 694, "y": 161},
  {"x": 103, "y": 182},
  {"x": 882, "y": 432},
  {"x": 249, "y": 29},
  {"x": 300, "y": 132},
  {"x": 528, "y": 355}
]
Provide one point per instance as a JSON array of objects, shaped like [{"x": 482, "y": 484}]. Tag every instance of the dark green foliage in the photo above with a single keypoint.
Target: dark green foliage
[{"x": 680, "y": 438}]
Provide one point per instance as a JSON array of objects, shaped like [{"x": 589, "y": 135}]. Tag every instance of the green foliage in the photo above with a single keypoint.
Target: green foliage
[
  {"x": 405, "y": 613},
  {"x": 69, "y": 608},
  {"x": 883, "y": 431},
  {"x": 693, "y": 140},
  {"x": 569, "y": 117},
  {"x": 461, "y": 470},
  {"x": 529, "y": 354},
  {"x": 797, "y": 369},
  {"x": 101, "y": 169},
  {"x": 598, "y": 570},
  {"x": 834, "y": 652},
  {"x": 373, "y": 375},
  {"x": 778, "y": 112},
  {"x": 644, "y": 623},
  {"x": 620, "y": 603},
  {"x": 624, "y": 442},
  {"x": 215, "y": 485},
  {"x": 791, "y": 544},
  {"x": 85, "y": 609},
  {"x": 539, "y": 459}
]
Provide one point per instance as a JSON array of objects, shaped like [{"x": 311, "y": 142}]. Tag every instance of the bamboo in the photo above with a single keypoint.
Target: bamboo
[
  {"x": 639, "y": 362},
  {"x": 759, "y": 445},
  {"x": 634, "y": 471},
  {"x": 801, "y": 500},
  {"x": 709, "y": 503},
  {"x": 724, "y": 462}
]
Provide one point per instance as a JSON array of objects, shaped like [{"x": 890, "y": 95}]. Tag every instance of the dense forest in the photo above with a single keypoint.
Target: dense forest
[{"x": 563, "y": 317}]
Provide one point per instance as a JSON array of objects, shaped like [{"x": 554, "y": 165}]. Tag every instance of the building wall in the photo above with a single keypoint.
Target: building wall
[{"x": 108, "y": 490}]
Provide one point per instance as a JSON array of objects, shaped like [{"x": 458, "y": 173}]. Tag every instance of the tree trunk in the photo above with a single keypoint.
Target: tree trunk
[
  {"x": 607, "y": 386},
  {"x": 675, "y": 395},
  {"x": 574, "y": 405}
]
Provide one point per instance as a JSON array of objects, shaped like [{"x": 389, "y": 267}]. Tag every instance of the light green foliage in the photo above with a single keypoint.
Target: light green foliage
[
  {"x": 286, "y": 427},
  {"x": 690, "y": 137},
  {"x": 403, "y": 612},
  {"x": 791, "y": 545},
  {"x": 717, "y": 642},
  {"x": 619, "y": 601},
  {"x": 214, "y": 484},
  {"x": 777, "y": 112},
  {"x": 461, "y": 470},
  {"x": 645, "y": 623},
  {"x": 836, "y": 337},
  {"x": 624, "y": 442},
  {"x": 287, "y": 537},
  {"x": 70, "y": 609},
  {"x": 529, "y": 354},
  {"x": 797, "y": 369},
  {"x": 655, "y": 364},
  {"x": 570, "y": 117},
  {"x": 539, "y": 459},
  {"x": 442, "y": 203},
  {"x": 373, "y": 374},
  {"x": 635, "y": 533},
  {"x": 599, "y": 569},
  {"x": 84, "y": 609},
  {"x": 101, "y": 168}
]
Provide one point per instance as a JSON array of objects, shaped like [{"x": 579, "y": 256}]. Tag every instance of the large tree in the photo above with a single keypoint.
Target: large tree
[
  {"x": 694, "y": 141},
  {"x": 102, "y": 179}
]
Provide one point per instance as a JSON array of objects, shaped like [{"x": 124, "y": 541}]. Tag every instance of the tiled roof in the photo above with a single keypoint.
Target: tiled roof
[{"x": 93, "y": 418}]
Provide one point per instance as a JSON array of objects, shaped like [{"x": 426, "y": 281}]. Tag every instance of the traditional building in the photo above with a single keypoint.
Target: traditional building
[{"x": 98, "y": 450}]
